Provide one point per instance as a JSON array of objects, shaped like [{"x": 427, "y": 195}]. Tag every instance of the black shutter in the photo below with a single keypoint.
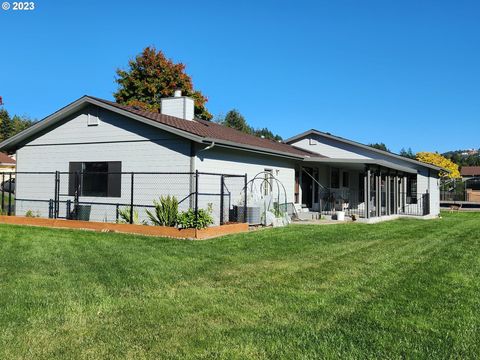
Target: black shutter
[
  {"x": 74, "y": 167},
  {"x": 115, "y": 179}
]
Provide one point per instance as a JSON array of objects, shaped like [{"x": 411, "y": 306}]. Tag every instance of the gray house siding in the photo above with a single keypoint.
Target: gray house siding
[
  {"x": 339, "y": 150},
  {"x": 230, "y": 161},
  {"x": 139, "y": 147}
]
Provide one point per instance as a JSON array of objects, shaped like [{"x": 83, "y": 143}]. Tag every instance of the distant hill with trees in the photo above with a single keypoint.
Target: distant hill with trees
[{"x": 469, "y": 157}]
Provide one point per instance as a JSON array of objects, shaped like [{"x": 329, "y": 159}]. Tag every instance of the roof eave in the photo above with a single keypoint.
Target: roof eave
[
  {"x": 13, "y": 142},
  {"x": 354, "y": 143},
  {"x": 381, "y": 163}
]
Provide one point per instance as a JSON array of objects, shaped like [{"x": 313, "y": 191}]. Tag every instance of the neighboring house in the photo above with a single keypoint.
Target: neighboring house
[
  {"x": 471, "y": 177},
  {"x": 470, "y": 171},
  {"x": 320, "y": 172},
  {"x": 7, "y": 165}
]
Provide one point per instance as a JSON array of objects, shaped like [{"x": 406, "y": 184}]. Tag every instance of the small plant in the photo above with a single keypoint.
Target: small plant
[
  {"x": 124, "y": 214},
  {"x": 277, "y": 211},
  {"x": 166, "y": 211},
  {"x": 32, "y": 214},
  {"x": 188, "y": 220}
]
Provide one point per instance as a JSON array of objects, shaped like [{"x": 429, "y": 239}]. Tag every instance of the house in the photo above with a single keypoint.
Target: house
[
  {"x": 7, "y": 164},
  {"x": 105, "y": 142},
  {"x": 471, "y": 178}
]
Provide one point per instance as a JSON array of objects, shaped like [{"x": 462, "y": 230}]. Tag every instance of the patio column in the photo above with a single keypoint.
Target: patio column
[
  {"x": 395, "y": 194},
  {"x": 387, "y": 194},
  {"x": 367, "y": 187},
  {"x": 300, "y": 174},
  {"x": 378, "y": 193}
]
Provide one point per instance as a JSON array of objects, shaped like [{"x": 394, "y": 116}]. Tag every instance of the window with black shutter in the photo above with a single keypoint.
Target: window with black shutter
[{"x": 96, "y": 178}]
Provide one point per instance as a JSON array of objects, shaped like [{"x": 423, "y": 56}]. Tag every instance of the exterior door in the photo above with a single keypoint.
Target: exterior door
[{"x": 307, "y": 187}]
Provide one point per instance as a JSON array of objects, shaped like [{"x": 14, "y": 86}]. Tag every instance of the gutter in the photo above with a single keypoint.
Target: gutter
[
  {"x": 256, "y": 149},
  {"x": 212, "y": 144}
]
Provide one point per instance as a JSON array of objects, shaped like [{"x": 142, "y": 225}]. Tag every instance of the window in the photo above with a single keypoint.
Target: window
[
  {"x": 411, "y": 190},
  {"x": 95, "y": 179},
  {"x": 345, "y": 179},
  {"x": 335, "y": 178}
]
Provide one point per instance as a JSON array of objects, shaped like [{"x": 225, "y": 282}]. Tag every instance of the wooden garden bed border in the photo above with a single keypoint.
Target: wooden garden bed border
[{"x": 162, "y": 231}]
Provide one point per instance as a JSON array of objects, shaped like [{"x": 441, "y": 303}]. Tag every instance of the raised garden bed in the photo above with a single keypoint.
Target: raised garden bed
[{"x": 162, "y": 231}]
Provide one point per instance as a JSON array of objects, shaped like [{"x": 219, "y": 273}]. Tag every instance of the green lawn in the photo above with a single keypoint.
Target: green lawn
[{"x": 408, "y": 288}]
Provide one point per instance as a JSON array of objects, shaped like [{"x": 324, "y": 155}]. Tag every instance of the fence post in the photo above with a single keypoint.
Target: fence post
[
  {"x": 367, "y": 197},
  {"x": 3, "y": 193},
  {"x": 76, "y": 194},
  {"x": 131, "y": 198},
  {"x": 50, "y": 208},
  {"x": 245, "y": 199},
  {"x": 222, "y": 185},
  {"x": 117, "y": 213},
  {"x": 68, "y": 214},
  {"x": 196, "y": 196},
  {"x": 56, "y": 204}
]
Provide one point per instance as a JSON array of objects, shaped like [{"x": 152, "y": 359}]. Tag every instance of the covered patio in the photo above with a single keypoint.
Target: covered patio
[{"x": 362, "y": 188}]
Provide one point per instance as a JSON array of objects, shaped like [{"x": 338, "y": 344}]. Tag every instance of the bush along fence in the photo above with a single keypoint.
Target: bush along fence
[{"x": 175, "y": 199}]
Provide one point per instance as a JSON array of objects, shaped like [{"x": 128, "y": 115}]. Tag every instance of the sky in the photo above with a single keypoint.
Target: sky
[{"x": 406, "y": 73}]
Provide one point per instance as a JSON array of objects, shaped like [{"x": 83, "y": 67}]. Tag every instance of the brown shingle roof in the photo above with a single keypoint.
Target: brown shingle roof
[
  {"x": 208, "y": 129},
  {"x": 5, "y": 159},
  {"x": 470, "y": 171}
]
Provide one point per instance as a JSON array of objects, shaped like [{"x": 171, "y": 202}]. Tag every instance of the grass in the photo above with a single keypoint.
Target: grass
[{"x": 407, "y": 288}]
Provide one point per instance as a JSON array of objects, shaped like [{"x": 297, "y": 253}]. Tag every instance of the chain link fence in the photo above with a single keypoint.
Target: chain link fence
[{"x": 121, "y": 196}]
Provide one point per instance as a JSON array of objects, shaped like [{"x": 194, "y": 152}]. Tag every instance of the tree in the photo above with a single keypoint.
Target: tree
[
  {"x": 5, "y": 125},
  {"x": 407, "y": 153},
  {"x": 12, "y": 126},
  {"x": 20, "y": 123},
  {"x": 235, "y": 120},
  {"x": 379, "y": 146},
  {"x": 151, "y": 76},
  {"x": 439, "y": 160},
  {"x": 267, "y": 134}
]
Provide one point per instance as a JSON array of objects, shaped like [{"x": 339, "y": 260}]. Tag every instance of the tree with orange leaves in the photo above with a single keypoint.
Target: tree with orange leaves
[{"x": 152, "y": 76}]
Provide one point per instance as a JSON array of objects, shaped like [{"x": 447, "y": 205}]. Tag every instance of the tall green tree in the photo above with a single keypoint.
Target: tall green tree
[
  {"x": 267, "y": 134},
  {"x": 151, "y": 76},
  {"x": 5, "y": 124},
  {"x": 408, "y": 153},
  {"x": 11, "y": 126},
  {"x": 379, "y": 146},
  {"x": 20, "y": 123},
  {"x": 234, "y": 119}
]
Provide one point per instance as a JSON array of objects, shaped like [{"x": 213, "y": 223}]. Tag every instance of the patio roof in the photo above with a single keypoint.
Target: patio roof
[{"x": 359, "y": 164}]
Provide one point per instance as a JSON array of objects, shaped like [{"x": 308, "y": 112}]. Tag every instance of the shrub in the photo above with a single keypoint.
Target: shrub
[
  {"x": 188, "y": 220},
  {"x": 166, "y": 211},
  {"x": 32, "y": 214},
  {"x": 124, "y": 214}
]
